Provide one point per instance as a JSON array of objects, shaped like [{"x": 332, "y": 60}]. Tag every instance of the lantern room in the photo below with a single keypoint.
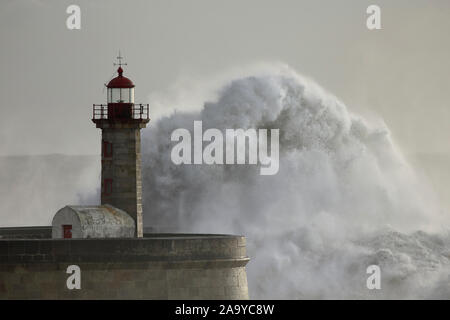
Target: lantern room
[
  {"x": 120, "y": 105},
  {"x": 120, "y": 89}
]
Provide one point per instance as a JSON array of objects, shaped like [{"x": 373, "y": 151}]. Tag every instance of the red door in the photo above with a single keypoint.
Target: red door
[{"x": 67, "y": 231}]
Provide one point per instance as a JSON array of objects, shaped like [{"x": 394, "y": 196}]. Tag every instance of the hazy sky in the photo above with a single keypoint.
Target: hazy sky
[{"x": 51, "y": 76}]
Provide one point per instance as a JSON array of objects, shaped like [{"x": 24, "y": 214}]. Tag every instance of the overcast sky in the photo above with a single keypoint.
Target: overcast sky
[{"x": 51, "y": 76}]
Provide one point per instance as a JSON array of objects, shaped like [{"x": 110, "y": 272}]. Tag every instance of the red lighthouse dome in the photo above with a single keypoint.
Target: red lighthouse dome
[
  {"x": 120, "y": 81},
  {"x": 120, "y": 89}
]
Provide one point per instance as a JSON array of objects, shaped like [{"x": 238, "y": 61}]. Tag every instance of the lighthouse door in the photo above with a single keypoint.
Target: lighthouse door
[{"x": 67, "y": 231}]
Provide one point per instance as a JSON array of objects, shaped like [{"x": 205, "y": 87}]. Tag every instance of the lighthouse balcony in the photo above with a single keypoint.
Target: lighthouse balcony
[{"x": 121, "y": 112}]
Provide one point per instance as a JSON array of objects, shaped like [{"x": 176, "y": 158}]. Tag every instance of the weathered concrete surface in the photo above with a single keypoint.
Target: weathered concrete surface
[
  {"x": 93, "y": 222},
  {"x": 163, "y": 266}
]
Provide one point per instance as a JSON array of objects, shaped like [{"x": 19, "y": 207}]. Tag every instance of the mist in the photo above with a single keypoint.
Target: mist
[{"x": 33, "y": 188}]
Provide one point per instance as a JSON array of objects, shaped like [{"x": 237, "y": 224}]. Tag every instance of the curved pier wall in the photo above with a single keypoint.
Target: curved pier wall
[{"x": 160, "y": 266}]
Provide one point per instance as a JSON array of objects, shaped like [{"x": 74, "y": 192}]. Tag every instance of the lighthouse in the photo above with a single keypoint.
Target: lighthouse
[
  {"x": 121, "y": 121},
  {"x": 102, "y": 239}
]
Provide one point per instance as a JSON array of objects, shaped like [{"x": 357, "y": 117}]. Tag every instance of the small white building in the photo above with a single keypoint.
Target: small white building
[{"x": 103, "y": 221}]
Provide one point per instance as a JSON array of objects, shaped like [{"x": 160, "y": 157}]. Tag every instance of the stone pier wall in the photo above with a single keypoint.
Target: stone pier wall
[{"x": 157, "y": 267}]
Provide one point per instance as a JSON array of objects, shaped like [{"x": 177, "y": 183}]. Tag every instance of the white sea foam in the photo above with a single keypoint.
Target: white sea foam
[{"x": 344, "y": 196}]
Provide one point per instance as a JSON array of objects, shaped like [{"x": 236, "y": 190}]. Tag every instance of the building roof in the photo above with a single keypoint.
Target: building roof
[
  {"x": 103, "y": 221},
  {"x": 120, "y": 81},
  {"x": 104, "y": 214}
]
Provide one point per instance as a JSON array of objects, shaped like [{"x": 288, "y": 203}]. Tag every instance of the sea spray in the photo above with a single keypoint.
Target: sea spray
[{"x": 343, "y": 199}]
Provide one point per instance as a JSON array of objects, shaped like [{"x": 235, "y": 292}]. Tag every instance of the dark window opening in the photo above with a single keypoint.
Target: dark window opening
[
  {"x": 107, "y": 149},
  {"x": 107, "y": 186},
  {"x": 67, "y": 231}
]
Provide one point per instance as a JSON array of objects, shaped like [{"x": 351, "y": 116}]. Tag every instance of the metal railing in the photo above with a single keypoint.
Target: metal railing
[{"x": 138, "y": 111}]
